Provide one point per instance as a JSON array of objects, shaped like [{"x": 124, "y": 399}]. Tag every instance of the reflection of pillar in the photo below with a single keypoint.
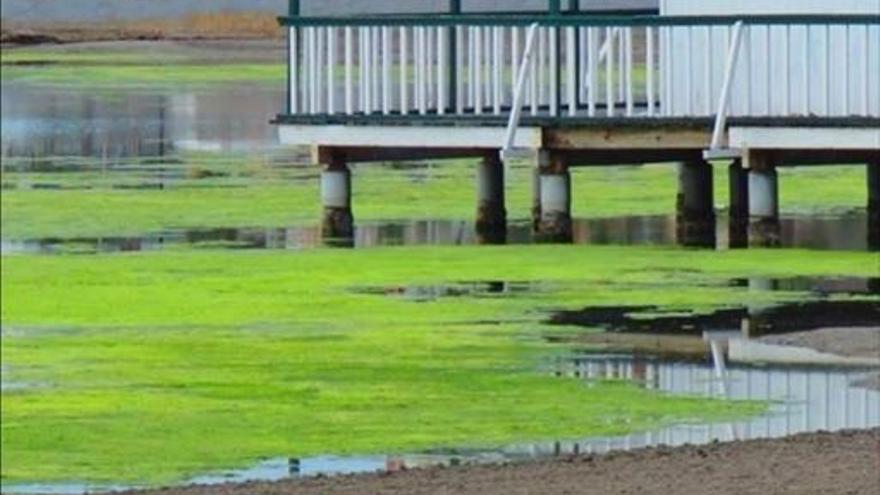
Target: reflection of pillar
[
  {"x": 738, "y": 221},
  {"x": 764, "y": 227},
  {"x": 874, "y": 204},
  {"x": 555, "y": 181},
  {"x": 695, "y": 209},
  {"x": 491, "y": 215},
  {"x": 543, "y": 159},
  {"x": 337, "y": 226}
]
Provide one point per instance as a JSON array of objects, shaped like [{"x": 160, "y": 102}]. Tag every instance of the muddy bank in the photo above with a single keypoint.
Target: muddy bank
[
  {"x": 826, "y": 463},
  {"x": 848, "y": 342}
]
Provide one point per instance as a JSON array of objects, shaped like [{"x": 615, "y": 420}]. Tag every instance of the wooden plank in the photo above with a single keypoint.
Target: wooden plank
[
  {"x": 805, "y": 138},
  {"x": 626, "y": 138},
  {"x": 407, "y": 137}
]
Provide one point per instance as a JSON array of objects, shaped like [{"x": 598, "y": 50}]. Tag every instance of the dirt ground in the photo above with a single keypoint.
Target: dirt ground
[
  {"x": 818, "y": 463},
  {"x": 850, "y": 342}
]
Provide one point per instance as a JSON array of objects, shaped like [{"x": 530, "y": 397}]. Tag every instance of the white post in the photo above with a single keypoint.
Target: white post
[
  {"x": 478, "y": 72},
  {"x": 826, "y": 73},
  {"x": 404, "y": 69},
  {"x": 533, "y": 79},
  {"x": 349, "y": 55},
  {"x": 386, "y": 70},
  {"x": 786, "y": 71},
  {"x": 313, "y": 86},
  {"x": 593, "y": 60},
  {"x": 319, "y": 69},
  {"x": 571, "y": 70},
  {"x": 293, "y": 70},
  {"x": 609, "y": 73},
  {"x": 442, "y": 79},
  {"x": 459, "y": 87},
  {"x": 649, "y": 68},
  {"x": 497, "y": 54},
  {"x": 707, "y": 73},
  {"x": 629, "y": 72},
  {"x": 377, "y": 68},
  {"x": 331, "y": 70},
  {"x": 554, "y": 72}
]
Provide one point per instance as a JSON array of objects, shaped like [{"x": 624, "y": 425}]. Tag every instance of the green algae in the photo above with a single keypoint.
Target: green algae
[
  {"x": 266, "y": 196},
  {"x": 159, "y": 366}
]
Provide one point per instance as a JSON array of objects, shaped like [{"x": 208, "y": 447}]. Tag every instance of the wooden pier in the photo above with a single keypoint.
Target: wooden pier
[{"x": 568, "y": 89}]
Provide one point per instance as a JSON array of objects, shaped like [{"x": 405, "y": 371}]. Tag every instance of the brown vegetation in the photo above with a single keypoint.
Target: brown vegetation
[{"x": 218, "y": 25}]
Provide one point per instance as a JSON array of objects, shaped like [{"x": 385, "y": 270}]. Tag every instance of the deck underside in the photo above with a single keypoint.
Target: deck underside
[{"x": 791, "y": 141}]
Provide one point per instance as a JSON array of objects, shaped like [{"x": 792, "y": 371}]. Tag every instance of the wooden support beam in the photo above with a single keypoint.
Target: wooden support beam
[{"x": 621, "y": 138}]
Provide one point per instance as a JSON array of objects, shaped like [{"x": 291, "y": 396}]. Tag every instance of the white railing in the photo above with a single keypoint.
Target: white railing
[{"x": 585, "y": 67}]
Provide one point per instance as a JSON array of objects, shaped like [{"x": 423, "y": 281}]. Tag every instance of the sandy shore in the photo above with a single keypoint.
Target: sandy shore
[{"x": 818, "y": 463}]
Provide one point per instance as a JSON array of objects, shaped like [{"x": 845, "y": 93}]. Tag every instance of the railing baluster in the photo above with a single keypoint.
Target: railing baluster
[
  {"x": 497, "y": 54},
  {"x": 786, "y": 74},
  {"x": 649, "y": 68},
  {"x": 534, "y": 91},
  {"x": 478, "y": 72},
  {"x": 319, "y": 68},
  {"x": 376, "y": 68},
  {"x": 331, "y": 70},
  {"x": 621, "y": 63},
  {"x": 707, "y": 73},
  {"x": 805, "y": 81},
  {"x": 571, "y": 69},
  {"x": 423, "y": 71},
  {"x": 845, "y": 71},
  {"x": 313, "y": 84},
  {"x": 826, "y": 73},
  {"x": 583, "y": 74},
  {"x": 442, "y": 77},
  {"x": 487, "y": 65},
  {"x": 293, "y": 71},
  {"x": 368, "y": 69},
  {"x": 472, "y": 67},
  {"x": 349, "y": 56},
  {"x": 593, "y": 64},
  {"x": 459, "y": 87},
  {"x": 554, "y": 71},
  {"x": 514, "y": 56},
  {"x": 542, "y": 64},
  {"x": 748, "y": 69},
  {"x": 768, "y": 54},
  {"x": 609, "y": 73},
  {"x": 429, "y": 65},
  {"x": 866, "y": 65},
  {"x": 689, "y": 71},
  {"x": 629, "y": 71},
  {"x": 386, "y": 70},
  {"x": 404, "y": 70}
]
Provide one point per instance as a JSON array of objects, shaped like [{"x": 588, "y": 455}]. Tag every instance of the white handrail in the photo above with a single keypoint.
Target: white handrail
[
  {"x": 519, "y": 91},
  {"x": 724, "y": 98}
]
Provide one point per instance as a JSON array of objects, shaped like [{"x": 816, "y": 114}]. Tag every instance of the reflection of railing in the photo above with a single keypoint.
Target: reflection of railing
[{"x": 584, "y": 66}]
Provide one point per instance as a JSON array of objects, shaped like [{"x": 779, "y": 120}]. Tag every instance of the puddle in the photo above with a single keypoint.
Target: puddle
[
  {"x": 782, "y": 318},
  {"x": 593, "y": 231},
  {"x": 421, "y": 293},
  {"x": 802, "y": 400}
]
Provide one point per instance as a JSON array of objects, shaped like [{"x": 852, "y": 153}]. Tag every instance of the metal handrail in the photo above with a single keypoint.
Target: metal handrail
[
  {"x": 519, "y": 91},
  {"x": 724, "y": 98}
]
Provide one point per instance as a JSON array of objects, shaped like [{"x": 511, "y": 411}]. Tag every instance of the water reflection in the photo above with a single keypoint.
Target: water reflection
[
  {"x": 844, "y": 232},
  {"x": 48, "y": 127}
]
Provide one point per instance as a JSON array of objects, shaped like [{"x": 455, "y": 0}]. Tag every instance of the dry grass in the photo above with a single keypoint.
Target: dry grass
[{"x": 257, "y": 25}]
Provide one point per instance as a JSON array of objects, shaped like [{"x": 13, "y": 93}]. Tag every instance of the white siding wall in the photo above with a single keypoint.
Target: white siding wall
[{"x": 826, "y": 70}]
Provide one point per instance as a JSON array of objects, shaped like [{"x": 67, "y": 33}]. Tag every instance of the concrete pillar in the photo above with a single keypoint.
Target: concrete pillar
[
  {"x": 555, "y": 193},
  {"x": 874, "y": 205},
  {"x": 695, "y": 205},
  {"x": 337, "y": 227},
  {"x": 491, "y": 222},
  {"x": 764, "y": 227},
  {"x": 738, "y": 215}
]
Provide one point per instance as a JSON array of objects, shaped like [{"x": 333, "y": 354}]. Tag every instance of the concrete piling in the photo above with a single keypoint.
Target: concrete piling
[
  {"x": 764, "y": 226},
  {"x": 874, "y": 204},
  {"x": 491, "y": 224},
  {"x": 555, "y": 193},
  {"x": 695, "y": 208},
  {"x": 738, "y": 214},
  {"x": 337, "y": 226}
]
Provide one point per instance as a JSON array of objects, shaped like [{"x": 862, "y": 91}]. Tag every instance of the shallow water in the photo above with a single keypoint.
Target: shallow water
[
  {"x": 803, "y": 399},
  {"x": 839, "y": 232}
]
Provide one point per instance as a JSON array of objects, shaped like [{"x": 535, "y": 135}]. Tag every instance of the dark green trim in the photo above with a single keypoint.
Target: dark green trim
[
  {"x": 574, "y": 20},
  {"x": 706, "y": 123},
  {"x": 554, "y": 7},
  {"x": 293, "y": 8}
]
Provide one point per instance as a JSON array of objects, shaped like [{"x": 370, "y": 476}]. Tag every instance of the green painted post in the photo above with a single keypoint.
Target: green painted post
[{"x": 452, "y": 58}]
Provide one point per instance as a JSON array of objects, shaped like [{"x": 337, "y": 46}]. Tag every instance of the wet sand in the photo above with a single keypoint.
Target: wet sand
[{"x": 818, "y": 463}]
